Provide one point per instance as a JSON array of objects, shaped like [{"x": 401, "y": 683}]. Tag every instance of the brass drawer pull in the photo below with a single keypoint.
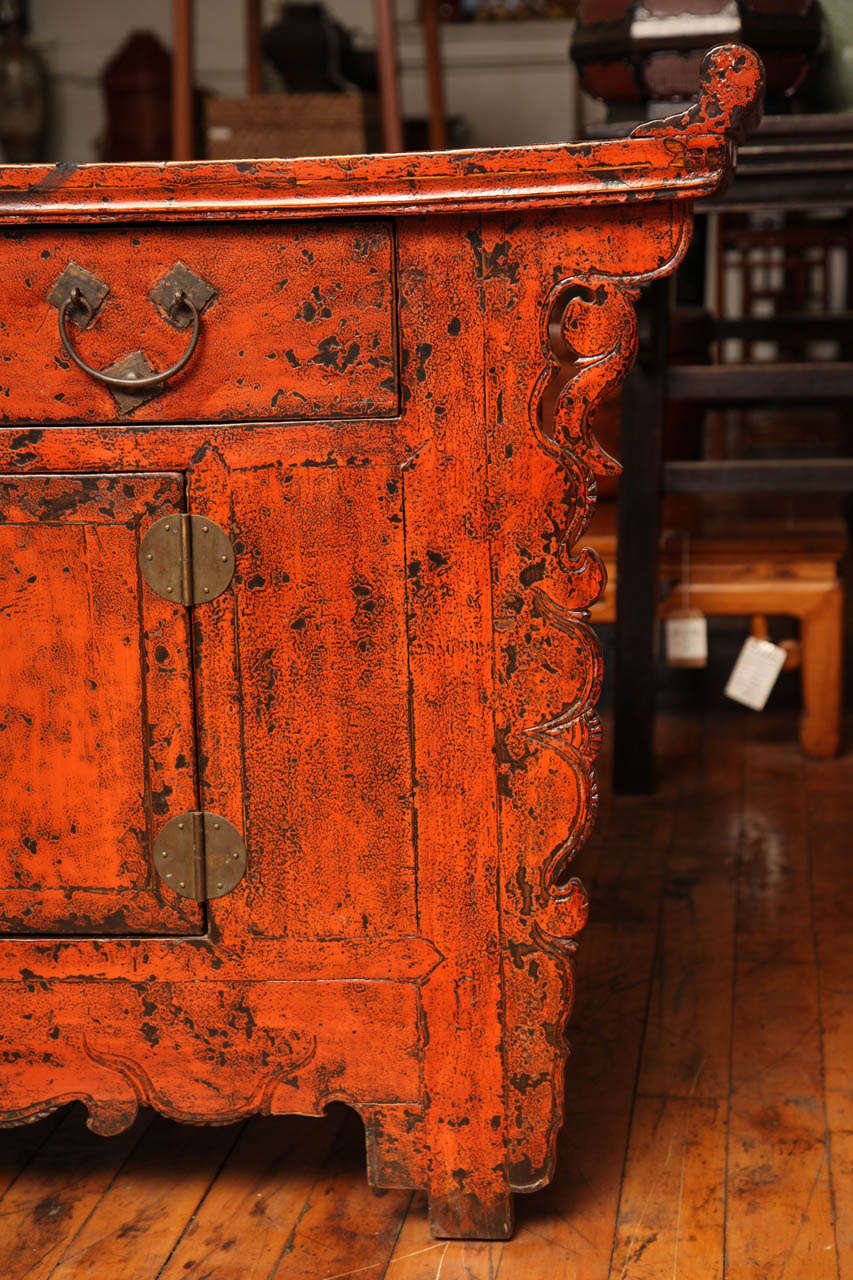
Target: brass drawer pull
[{"x": 131, "y": 381}]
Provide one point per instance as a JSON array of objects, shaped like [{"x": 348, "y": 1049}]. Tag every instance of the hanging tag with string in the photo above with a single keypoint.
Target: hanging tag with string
[
  {"x": 758, "y": 665},
  {"x": 686, "y": 629}
]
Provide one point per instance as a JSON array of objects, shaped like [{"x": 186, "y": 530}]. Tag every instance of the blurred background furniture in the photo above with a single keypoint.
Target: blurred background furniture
[
  {"x": 799, "y": 173},
  {"x": 285, "y": 124},
  {"x": 729, "y": 567},
  {"x": 701, "y": 427},
  {"x": 136, "y": 83},
  {"x": 24, "y": 88},
  {"x": 633, "y": 53},
  {"x": 183, "y": 114}
]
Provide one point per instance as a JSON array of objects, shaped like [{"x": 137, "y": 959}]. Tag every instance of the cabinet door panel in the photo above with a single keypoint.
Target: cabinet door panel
[
  {"x": 96, "y": 712},
  {"x": 320, "y": 638}
]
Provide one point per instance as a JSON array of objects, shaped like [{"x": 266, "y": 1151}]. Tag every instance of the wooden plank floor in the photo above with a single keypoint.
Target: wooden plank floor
[{"x": 709, "y": 1129}]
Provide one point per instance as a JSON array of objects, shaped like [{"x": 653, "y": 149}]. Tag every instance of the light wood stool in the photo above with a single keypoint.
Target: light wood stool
[{"x": 757, "y": 572}]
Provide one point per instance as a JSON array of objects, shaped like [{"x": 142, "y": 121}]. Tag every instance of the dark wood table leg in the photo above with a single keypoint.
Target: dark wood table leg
[
  {"x": 637, "y": 553},
  {"x": 183, "y": 121},
  {"x": 435, "y": 78},
  {"x": 389, "y": 86}
]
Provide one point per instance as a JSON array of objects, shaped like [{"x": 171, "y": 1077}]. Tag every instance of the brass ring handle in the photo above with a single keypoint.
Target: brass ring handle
[{"x": 130, "y": 382}]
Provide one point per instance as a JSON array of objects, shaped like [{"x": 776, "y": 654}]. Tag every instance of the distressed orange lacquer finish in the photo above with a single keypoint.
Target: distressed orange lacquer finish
[{"x": 388, "y": 413}]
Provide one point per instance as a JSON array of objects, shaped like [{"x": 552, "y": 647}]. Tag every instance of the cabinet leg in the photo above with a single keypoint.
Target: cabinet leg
[
  {"x": 464, "y": 1215},
  {"x": 821, "y": 637}
]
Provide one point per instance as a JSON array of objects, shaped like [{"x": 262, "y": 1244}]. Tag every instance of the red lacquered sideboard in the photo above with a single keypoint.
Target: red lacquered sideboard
[{"x": 297, "y": 684}]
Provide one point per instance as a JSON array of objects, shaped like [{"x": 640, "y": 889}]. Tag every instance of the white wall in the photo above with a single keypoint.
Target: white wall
[
  {"x": 512, "y": 81},
  {"x": 78, "y": 40}
]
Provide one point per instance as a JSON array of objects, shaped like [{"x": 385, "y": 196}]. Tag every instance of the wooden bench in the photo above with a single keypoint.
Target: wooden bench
[{"x": 757, "y": 572}]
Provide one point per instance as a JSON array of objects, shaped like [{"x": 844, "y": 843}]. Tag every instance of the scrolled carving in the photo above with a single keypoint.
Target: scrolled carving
[
  {"x": 550, "y": 731},
  {"x": 138, "y": 1089},
  {"x": 589, "y": 336},
  {"x": 731, "y": 97}
]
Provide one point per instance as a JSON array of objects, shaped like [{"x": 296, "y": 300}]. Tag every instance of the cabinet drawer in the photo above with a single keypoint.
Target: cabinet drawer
[{"x": 296, "y": 320}]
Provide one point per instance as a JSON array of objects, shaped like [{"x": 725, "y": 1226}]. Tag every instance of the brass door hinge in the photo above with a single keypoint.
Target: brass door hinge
[
  {"x": 186, "y": 558},
  {"x": 200, "y": 855}
]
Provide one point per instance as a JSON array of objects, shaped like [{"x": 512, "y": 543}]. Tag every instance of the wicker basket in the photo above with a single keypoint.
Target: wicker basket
[{"x": 289, "y": 124}]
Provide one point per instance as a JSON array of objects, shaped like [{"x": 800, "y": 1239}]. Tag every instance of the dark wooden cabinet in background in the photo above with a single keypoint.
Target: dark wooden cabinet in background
[{"x": 297, "y": 687}]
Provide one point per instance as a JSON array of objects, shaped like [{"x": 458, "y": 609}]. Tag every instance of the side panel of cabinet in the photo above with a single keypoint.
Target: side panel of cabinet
[{"x": 96, "y": 713}]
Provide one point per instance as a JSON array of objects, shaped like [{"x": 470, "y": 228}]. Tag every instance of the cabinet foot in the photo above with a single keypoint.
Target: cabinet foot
[{"x": 461, "y": 1215}]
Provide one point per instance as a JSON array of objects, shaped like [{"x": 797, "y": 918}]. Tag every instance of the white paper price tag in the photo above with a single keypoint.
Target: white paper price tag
[
  {"x": 755, "y": 672},
  {"x": 686, "y": 634}
]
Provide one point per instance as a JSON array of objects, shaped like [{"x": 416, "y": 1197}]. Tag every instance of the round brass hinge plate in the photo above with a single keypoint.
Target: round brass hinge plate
[
  {"x": 200, "y": 855},
  {"x": 187, "y": 558}
]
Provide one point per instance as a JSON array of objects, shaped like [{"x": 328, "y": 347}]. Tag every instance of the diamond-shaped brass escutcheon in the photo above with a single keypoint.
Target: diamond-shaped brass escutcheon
[
  {"x": 200, "y": 855},
  {"x": 133, "y": 366},
  {"x": 186, "y": 558},
  {"x": 91, "y": 289},
  {"x": 178, "y": 282}
]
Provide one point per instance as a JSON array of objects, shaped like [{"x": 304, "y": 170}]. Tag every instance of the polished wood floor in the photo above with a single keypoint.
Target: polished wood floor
[{"x": 709, "y": 1128}]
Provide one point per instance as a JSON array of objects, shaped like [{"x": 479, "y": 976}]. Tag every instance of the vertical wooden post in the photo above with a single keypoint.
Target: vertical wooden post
[
  {"x": 389, "y": 87},
  {"x": 183, "y": 123},
  {"x": 821, "y": 632},
  {"x": 254, "y": 78},
  {"x": 634, "y": 663},
  {"x": 435, "y": 80}
]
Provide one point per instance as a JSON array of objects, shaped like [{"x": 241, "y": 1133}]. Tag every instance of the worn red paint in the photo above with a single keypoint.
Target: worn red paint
[{"x": 393, "y": 701}]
